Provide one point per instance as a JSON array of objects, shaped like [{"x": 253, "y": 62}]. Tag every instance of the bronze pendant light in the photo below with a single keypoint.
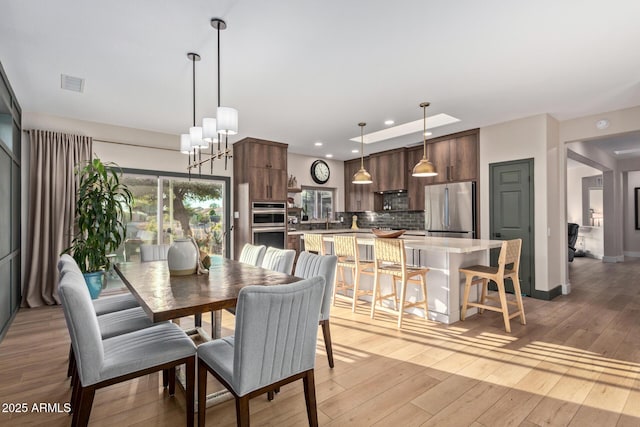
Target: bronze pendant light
[
  {"x": 362, "y": 176},
  {"x": 424, "y": 167}
]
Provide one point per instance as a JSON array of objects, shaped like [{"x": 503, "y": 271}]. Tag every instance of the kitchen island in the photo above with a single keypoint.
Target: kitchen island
[{"x": 442, "y": 255}]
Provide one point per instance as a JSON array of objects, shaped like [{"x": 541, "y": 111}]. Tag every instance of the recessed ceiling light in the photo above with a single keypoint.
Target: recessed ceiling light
[
  {"x": 407, "y": 128},
  {"x": 629, "y": 151},
  {"x": 389, "y": 122},
  {"x": 602, "y": 124},
  {"x": 427, "y": 133},
  {"x": 355, "y": 151},
  {"x": 318, "y": 144},
  {"x": 329, "y": 155}
]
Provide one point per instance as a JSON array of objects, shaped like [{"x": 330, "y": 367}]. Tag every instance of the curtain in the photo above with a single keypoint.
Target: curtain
[{"x": 52, "y": 194}]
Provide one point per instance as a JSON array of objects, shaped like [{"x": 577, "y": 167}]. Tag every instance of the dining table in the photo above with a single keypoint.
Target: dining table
[{"x": 166, "y": 297}]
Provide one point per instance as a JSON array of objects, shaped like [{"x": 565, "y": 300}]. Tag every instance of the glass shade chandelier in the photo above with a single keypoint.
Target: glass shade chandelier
[
  {"x": 224, "y": 124},
  {"x": 424, "y": 167},
  {"x": 362, "y": 176}
]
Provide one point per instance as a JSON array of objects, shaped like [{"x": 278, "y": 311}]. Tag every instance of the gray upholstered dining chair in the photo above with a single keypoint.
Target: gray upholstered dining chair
[
  {"x": 274, "y": 344},
  {"x": 100, "y": 363},
  {"x": 252, "y": 254},
  {"x": 153, "y": 252},
  {"x": 280, "y": 260},
  {"x": 311, "y": 265}
]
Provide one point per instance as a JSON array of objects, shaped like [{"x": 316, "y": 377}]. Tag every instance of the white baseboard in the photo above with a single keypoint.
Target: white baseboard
[
  {"x": 632, "y": 254},
  {"x": 566, "y": 288},
  {"x": 619, "y": 258}
]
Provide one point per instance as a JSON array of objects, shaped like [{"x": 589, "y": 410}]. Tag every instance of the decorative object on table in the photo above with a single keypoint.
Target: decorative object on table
[
  {"x": 182, "y": 257},
  {"x": 205, "y": 260},
  {"x": 212, "y": 129},
  {"x": 320, "y": 171},
  {"x": 362, "y": 176},
  {"x": 293, "y": 182},
  {"x": 388, "y": 234},
  {"x": 424, "y": 167},
  {"x": 102, "y": 204},
  {"x": 354, "y": 222}
]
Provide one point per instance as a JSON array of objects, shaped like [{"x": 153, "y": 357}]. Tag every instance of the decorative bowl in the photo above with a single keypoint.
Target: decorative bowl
[{"x": 388, "y": 234}]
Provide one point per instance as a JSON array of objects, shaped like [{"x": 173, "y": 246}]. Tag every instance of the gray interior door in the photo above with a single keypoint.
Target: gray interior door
[{"x": 511, "y": 214}]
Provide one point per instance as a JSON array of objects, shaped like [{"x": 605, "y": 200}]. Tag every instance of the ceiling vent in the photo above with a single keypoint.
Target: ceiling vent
[{"x": 75, "y": 84}]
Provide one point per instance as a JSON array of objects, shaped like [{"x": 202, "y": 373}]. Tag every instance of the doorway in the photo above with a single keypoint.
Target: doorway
[{"x": 511, "y": 211}]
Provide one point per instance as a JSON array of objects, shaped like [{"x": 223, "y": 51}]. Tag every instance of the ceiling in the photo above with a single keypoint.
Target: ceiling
[{"x": 303, "y": 71}]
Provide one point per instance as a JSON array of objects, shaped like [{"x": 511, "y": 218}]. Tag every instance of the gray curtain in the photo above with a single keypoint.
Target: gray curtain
[{"x": 52, "y": 192}]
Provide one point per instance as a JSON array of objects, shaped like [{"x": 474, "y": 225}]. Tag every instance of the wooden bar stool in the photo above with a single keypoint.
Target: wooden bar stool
[
  {"x": 509, "y": 255},
  {"x": 313, "y": 243},
  {"x": 346, "y": 249},
  {"x": 390, "y": 258}
]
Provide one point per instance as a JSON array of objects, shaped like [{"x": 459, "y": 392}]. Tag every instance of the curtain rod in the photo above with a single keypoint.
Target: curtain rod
[{"x": 126, "y": 143}]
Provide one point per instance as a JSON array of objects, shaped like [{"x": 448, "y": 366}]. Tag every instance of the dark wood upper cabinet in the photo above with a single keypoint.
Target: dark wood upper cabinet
[
  {"x": 387, "y": 171},
  {"x": 357, "y": 197},
  {"x": 455, "y": 157},
  {"x": 415, "y": 185},
  {"x": 262, "y": 164}
]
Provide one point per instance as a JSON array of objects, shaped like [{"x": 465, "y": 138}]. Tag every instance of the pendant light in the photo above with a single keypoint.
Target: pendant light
[
  {"x": 195, "y": 132},
  {"x": 362, "y": 176},
  {"x": 424, "y": 167}
]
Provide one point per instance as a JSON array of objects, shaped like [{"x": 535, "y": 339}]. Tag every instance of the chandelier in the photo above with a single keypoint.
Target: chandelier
[{"x": 201, "y": 138}]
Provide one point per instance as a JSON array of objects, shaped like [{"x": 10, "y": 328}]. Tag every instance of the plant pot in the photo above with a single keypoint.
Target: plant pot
[
  {"x": 182, "y": 257},
  {"x": 94, "y": 282}
]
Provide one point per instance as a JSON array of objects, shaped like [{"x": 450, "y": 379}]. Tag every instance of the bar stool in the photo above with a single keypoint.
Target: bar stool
[
  {"x": 391, "y": 259},
  {"x": 509, "y": 254},
  {"x": 346, "y": 249},
  {"x": 313, "y": 243}
]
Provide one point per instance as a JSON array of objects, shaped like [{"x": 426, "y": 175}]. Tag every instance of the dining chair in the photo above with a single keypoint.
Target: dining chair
[
  {"x": 311, "y": 265},
  {"x": 280, "y": 260},
  {"x": 252, "y": 254},
  {"x": 509, "y": 256},
  {"x": 153, "y": 252},
  {"x": 274, "y": 344},
  {"x": 346, "y": 249},
  {"x": 103, "y": 362},
  {"x": 314, "y": 242},
  {"x": 390, "y": 258}
]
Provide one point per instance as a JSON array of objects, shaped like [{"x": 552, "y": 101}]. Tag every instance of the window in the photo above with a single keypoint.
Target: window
[{"x": 317, "y": 203}]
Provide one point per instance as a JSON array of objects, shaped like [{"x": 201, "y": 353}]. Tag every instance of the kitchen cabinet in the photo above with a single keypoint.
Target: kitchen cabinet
[
  {"x": 455, "y": 158},
  {"x": 387, "y": 171},
  {"x": 262, "y": 164},
  {"x": 357, "y": 197}
]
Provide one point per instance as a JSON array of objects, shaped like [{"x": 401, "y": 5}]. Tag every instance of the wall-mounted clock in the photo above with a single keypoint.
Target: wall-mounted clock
[{"x": 320, "y": 171}]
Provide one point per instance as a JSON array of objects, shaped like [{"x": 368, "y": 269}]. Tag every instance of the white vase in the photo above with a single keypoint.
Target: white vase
[{"x": 182, "y": 257}]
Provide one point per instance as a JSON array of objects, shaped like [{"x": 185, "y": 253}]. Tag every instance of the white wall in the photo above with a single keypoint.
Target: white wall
[
  {"x": 515, "y": 140},
  {"x": 574, "y": 191},
  {"x": 631, "y": 235},
  {"x": 300, "y": 167}
]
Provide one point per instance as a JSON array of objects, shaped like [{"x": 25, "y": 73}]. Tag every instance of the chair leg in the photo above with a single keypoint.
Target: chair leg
[
  {"x": 356, "y": 282},
  {"x": 190, "y": 368},
  {"x": 165, "y": 378},
  {"x": 503, "y": 303},
  {"x": 465, "y": 298},
  {"x": 374, "y": 295},
  {"x": 83, "y": 409},
  {"x": 270, "y": 396},
  {"x": 310, "y": 398},
  {"x": 72, "y": 362},
  {"x": 74, "y": 391},
  {"x": 242, "y": 411},
  {"x": 516, "y": 288},
  {"x": 171, "y": 380},
  {"x": 403, "y": 295},
  {"x": 326, "y": 333},
  {"x": 202, "y": 392},
  {"x": 483, "y": 296},
  {"x": 338, "y": 281},
  {"x": 423, "y": 282}
]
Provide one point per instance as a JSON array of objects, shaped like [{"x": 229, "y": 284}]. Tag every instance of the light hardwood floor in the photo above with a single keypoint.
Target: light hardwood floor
[{"x": 576, "y": 362}]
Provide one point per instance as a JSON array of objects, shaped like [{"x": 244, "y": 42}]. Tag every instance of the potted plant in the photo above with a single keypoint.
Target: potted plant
[{"x": 102, "y": 203}]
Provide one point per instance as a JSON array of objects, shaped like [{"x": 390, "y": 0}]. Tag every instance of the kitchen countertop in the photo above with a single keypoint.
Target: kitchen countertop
[{"x": 413, "y": 240}]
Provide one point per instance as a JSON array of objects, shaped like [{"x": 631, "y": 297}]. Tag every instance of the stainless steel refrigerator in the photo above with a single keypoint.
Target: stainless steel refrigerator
[{"x": 450, "y": 210}]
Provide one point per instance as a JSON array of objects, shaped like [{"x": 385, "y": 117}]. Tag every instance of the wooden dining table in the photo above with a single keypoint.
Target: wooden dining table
[{"x": 165, "y": 297}]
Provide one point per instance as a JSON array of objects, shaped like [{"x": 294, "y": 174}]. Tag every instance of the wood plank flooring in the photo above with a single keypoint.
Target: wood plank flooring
[{"x": 575, "y": 363}]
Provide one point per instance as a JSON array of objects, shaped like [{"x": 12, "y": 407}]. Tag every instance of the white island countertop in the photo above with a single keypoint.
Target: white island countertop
[{"x": 418, "y": 242}]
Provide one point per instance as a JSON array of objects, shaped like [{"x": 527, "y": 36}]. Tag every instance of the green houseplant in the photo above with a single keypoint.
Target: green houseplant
[{"x": 102, "y": 203}]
